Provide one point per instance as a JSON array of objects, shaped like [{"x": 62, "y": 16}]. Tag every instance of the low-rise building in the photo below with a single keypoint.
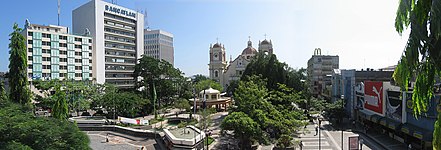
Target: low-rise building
[{"x": 187, "y": 138}]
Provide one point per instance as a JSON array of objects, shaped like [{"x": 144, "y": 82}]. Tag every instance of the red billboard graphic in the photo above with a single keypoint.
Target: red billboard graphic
[{"x": 373, "y": 96}]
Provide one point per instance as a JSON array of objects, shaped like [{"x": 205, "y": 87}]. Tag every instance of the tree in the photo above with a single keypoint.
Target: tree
[
  {"x": 123, "y": 103},
  {"x": 168, "y": 81},
  {"x": 251, "y": 98},
  {"x": 421, "y": 58},
  {"x": 205, "y": 84},
  {"x": 182, "y": 104},
  {"x": 19, "y": 129},
  {"x": 245, "y": 128},
  {"x": 205, "y": 120},
  {"x": 60, "y": 110},
  {"x": 79, "y": 94},
  {"x": 199, "y": 77},
  {"x": 3, "y": 96},
  {"x": 276, "y": 72},
  {"x": 18, "y": 81}
]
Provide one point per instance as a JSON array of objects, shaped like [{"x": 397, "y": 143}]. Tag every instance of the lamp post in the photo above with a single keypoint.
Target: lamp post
[
  {"x": 342, "y": 107},
  {"x": 320, "y": 142}
]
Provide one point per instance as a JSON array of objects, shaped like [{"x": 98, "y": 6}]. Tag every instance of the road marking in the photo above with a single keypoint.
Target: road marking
[
  {"x": 323, "y": 143},
  {"x": 332, "y": 139},
  {"x": 311, "y": 138}
]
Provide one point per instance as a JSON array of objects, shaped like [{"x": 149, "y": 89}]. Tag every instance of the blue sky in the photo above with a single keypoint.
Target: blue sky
[{"x": 362, "y": 33}]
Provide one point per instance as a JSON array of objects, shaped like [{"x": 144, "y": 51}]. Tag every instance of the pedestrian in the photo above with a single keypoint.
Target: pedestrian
[
  {"x": 301, "y": 145},
  {"x": 410, "y": 146},
  {"x": 107, "y": 137},
  {"x": 316, "y": 130},
  {"x": 353, "y": 124}
]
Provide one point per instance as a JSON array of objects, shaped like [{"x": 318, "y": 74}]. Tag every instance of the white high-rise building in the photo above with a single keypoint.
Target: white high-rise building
[
  {"x": 53, "y": 53},
  {"x": 159, "y": 44},
  {"x": 118, "y": 35}
]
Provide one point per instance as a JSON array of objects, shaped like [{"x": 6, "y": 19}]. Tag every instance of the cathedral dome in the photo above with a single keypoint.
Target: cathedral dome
[
  {"x": 249, "y": 49},
  {"x": 265, "y": 42},
  {"x": 216, "y": 45}
]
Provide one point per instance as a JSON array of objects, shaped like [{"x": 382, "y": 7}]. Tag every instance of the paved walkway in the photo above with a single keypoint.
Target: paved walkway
[
  {"x": 119, "y": 141},
  {"x": 312, "y": 141}
]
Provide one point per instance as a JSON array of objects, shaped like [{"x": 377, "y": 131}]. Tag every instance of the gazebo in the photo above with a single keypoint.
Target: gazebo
[{"x": 212, "y": 98}]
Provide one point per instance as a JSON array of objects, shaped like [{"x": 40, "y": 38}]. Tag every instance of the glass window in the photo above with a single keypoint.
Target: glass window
[{"x": 71, "y": 60}]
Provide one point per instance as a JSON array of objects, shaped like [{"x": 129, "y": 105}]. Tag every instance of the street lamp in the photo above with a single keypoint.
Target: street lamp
[
  {"x": 361, "y": 143},
  {"x": 342, "y": 107}
]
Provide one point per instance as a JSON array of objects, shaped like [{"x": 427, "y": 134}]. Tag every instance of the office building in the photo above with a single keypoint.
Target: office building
[
  {"x": 320, "y": 69},
  {"x": 53, "y": 53},
  {"x": 159, "y": 44},
  {"x": 118, "y": 38}
]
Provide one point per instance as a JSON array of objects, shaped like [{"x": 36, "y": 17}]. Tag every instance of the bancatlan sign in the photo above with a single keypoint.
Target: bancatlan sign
[{"x": 120, "y": 11}]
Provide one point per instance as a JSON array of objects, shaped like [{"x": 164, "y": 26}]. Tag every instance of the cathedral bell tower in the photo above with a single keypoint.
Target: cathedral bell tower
[{"x": 218, "y": 62}]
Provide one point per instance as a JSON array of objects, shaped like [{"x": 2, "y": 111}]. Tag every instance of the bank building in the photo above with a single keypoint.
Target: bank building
[{"x": 224, "y": 72}]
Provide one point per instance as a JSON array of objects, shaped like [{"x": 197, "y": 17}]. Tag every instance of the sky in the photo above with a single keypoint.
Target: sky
[{"x": 361, "y": 33}]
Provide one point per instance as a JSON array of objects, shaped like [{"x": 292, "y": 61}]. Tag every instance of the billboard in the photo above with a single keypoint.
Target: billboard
[
  {"x": 373, "y": 98},
  {"x": 393, "y": 105}
]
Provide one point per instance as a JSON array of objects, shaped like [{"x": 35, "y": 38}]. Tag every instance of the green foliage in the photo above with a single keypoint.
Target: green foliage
[
  {"x": 60, "y": 110},
  {"x": 205, "y": 120},
  {"x": 424, "y": 19},
  {"x": 169, "y": 81},
  {"x": 210, "y": 140},
  {"x": 19, "y": 129},
  {"x": 436, "y": 134},
  {"x": 3, "y": 96},
  {"x": 336, "y": 109},
  {"x": 126, "y": 104},
  {"x": 268, "y": 110},
  {"x": 275, "y": 72},
  {"x": 205, "y": 84},
  {"x": 182, "y": 104},
  {"x": 80, "y": 94},
  {"x": 18, "y": 80},
  {"x": 199, "y": 77},
  {"x": 284, "y": 141},
  {"x": 245, "y": 128}
]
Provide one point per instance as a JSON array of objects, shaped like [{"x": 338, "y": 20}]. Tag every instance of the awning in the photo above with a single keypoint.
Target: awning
[
  {"x": 417, "y": 132},
  {"x": 375, "y": 118},
  {"x": 390, "y": 123},
  {"x": 365, "y": 115}
]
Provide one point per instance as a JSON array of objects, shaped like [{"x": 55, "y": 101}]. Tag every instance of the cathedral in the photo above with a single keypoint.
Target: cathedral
[{"x": 224, "y": 72}]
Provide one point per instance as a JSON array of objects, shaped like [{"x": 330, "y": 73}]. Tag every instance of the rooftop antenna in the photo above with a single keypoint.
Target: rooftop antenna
[
  {"x": 59, "y": 12},
  {"x": 146, "y": 20}
]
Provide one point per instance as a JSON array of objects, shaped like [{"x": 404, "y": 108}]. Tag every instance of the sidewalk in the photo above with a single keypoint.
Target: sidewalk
[{"x": 381, "y": 139}]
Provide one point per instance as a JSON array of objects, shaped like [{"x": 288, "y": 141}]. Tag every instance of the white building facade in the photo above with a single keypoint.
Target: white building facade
[
  {"x": 159, "y": 45},
  {"x": 53, "y": 53},
  {"x": 118, "y": 38}
]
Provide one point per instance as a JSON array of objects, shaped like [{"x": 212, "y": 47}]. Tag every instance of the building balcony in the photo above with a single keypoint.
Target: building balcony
[
  {"x": 118, "y": 34},
  {"x": 119, "y": 28},
  {"x": 120, "y": 42},
  {"x": 118, "y": 21}
]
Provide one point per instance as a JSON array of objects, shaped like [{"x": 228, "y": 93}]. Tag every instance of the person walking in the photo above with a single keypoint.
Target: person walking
[
  {"x": 301, "y": 145},
  {"x": 316, "y": 129}
]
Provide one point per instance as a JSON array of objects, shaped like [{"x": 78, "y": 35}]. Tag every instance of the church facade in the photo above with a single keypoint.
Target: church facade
[{"x": 224, "y": 72}]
